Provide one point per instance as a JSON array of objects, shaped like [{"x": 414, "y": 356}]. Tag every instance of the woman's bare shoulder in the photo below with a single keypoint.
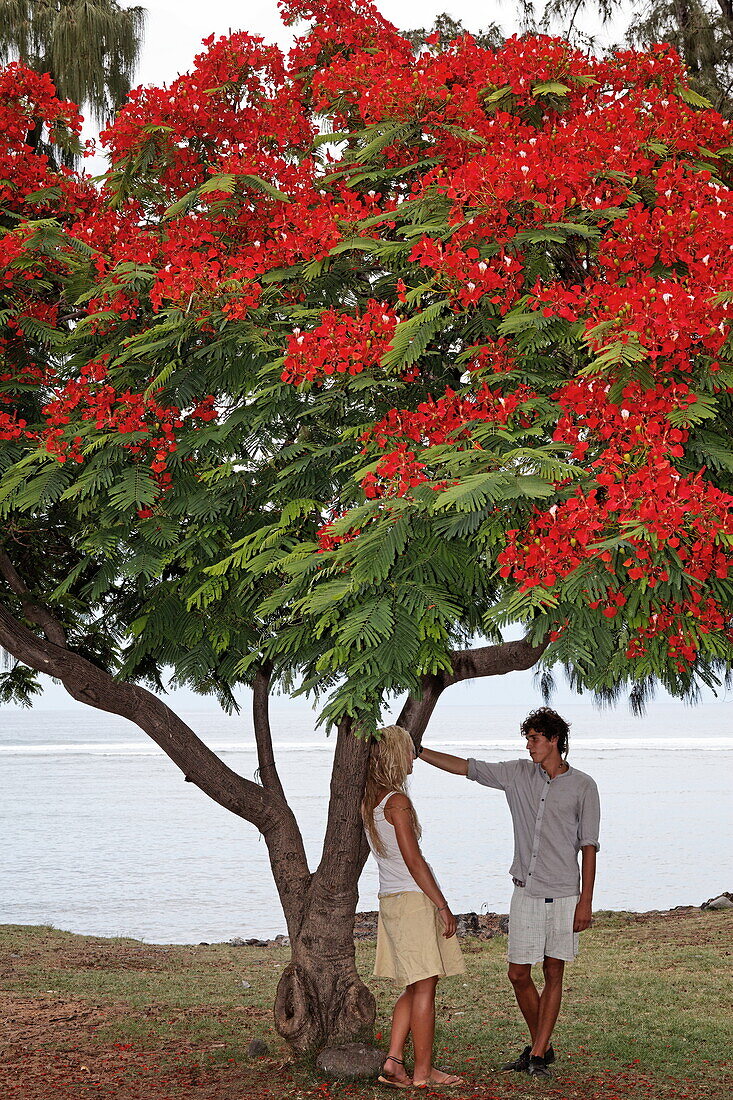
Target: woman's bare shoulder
[{"x": 396, "y": 803}]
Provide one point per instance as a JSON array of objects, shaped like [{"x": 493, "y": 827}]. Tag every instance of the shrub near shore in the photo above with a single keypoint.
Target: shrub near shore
[{"x": 86, "y": 1017}]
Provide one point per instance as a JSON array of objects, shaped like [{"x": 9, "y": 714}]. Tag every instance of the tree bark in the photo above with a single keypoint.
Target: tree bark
[
  {"x": 288, "y": 859},
  {"x": 321, "y": 999},
  {"x": 267, "y": 769},
  {"x": 467, "y": 664}
]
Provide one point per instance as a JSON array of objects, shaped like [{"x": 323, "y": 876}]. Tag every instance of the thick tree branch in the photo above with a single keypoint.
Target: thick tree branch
[
  {"x": 263, "y": 735},
  {"x": 418, "y": 710},
  {"x": 34, "y": 611},
  {"x": 95, "y": 687},
  {"x": 494, "y": 660},
  {"x": 285, "y": 844},
  {"x": 467, "y": 664},
  {"x": 344, "y": 845},
  {"x": 264, "y": 806}
]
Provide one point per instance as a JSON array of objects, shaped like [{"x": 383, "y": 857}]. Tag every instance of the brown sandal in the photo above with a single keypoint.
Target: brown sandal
[
  {"x": 452, "y": 1081},
  {"x": 389, "y": 1079}
]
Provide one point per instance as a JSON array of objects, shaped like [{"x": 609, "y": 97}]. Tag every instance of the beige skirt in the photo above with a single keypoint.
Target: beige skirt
[{"x": 410, "y": 941}]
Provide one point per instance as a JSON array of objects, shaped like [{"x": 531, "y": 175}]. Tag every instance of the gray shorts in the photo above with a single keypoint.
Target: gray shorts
[{"x": 539, "y": 928}]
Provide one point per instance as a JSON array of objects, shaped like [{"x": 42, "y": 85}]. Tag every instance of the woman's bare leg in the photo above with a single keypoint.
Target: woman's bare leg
[
  {"x": 401, "y": 1016},
  {"x": 422, "y": 1026}
]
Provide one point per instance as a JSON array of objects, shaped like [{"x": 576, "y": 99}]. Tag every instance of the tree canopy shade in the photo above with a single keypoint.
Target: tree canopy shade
[
  {"x": 357, "y": 358},
  {"x": 89, "y": 47}
]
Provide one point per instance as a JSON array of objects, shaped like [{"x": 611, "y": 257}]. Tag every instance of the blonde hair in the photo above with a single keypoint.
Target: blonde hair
[{"x": 387, "y": 771}]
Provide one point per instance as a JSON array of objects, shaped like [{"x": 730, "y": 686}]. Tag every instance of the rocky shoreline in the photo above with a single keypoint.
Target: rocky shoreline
[{"x": 485, "y": 926}]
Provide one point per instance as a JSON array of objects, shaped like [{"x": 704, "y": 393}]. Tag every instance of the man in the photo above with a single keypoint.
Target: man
[{"x": 556, "y": 814}]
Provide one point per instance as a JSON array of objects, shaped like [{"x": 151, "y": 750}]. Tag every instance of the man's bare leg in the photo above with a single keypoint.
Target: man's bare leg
[
  {"x": 528, "y": 998},
  {"x": 540, "y": 1010},
  {"x": 549, "y": 1006}
]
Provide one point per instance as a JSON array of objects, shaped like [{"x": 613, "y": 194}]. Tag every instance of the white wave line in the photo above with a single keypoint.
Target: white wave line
[{"x": 508, "y": 748}]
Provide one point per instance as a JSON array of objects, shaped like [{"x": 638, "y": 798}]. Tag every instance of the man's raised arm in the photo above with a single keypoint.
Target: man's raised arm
[{"x": 443, "y": 760}]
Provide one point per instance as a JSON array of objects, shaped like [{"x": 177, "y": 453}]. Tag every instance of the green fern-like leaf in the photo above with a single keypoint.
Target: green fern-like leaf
[
  {"x": 134, "y": 489},
  {"x": 412, "y": 337}
]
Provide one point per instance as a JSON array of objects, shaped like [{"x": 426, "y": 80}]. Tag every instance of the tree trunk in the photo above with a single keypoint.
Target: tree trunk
[{"x": 321, "y": 1000}]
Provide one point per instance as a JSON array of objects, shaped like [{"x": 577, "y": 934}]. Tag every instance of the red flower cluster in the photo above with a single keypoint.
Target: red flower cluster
[
  {"x": 328, "y": 540},
  {"x": 11, "y": 426},
  {"x": 151, "y": 426},
  {"x": 652, "y": 507},
  {"x": 450, "y": 418},
  {"x": 636, "y": 427},
  {"x": 26, "y": 97},
  {"x": 670, "y": 628},
  {"x": 467, "y": 278},
  {"x": 397, "y": 473},
  {"x": 341, "y": 28},
  {"x": 235, "y": 103},
  {"x": 340, "y": 344}
]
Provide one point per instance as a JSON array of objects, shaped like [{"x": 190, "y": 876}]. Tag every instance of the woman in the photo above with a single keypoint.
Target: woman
[{"x": 416, "y": 936}]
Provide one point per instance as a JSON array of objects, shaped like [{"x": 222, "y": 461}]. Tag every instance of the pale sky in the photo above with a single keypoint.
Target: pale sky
[
  {"x": 513, "y": 689},
  {"x": 175, "y": 28}
]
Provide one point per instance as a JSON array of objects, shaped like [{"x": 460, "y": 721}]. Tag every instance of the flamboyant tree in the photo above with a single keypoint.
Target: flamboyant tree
[
  {"x": 700, "y": 30},
  {"x": 356, "y": 358}
]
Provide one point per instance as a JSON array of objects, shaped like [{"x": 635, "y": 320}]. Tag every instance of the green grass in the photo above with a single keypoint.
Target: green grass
[{"x": 646, "y": 1012}]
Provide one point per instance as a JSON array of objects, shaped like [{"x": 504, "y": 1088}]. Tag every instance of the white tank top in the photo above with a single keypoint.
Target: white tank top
[{"x": 394, "y": 876}]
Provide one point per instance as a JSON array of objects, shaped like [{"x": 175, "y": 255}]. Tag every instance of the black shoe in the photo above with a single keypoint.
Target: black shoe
[
  {"x": 538, "y": 1067},
  {"x": 520, "y": 1064}
]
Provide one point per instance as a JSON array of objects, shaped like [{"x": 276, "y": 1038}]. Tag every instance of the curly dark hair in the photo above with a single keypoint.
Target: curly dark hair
[{"x": 552, "y": 725}]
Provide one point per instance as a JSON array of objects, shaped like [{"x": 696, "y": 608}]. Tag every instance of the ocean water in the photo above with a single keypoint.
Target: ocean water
[{"x": 101, "y": 835}]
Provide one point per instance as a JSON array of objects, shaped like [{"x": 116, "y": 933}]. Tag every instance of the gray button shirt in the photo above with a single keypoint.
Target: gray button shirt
[{"x": 553, "y": 819}]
